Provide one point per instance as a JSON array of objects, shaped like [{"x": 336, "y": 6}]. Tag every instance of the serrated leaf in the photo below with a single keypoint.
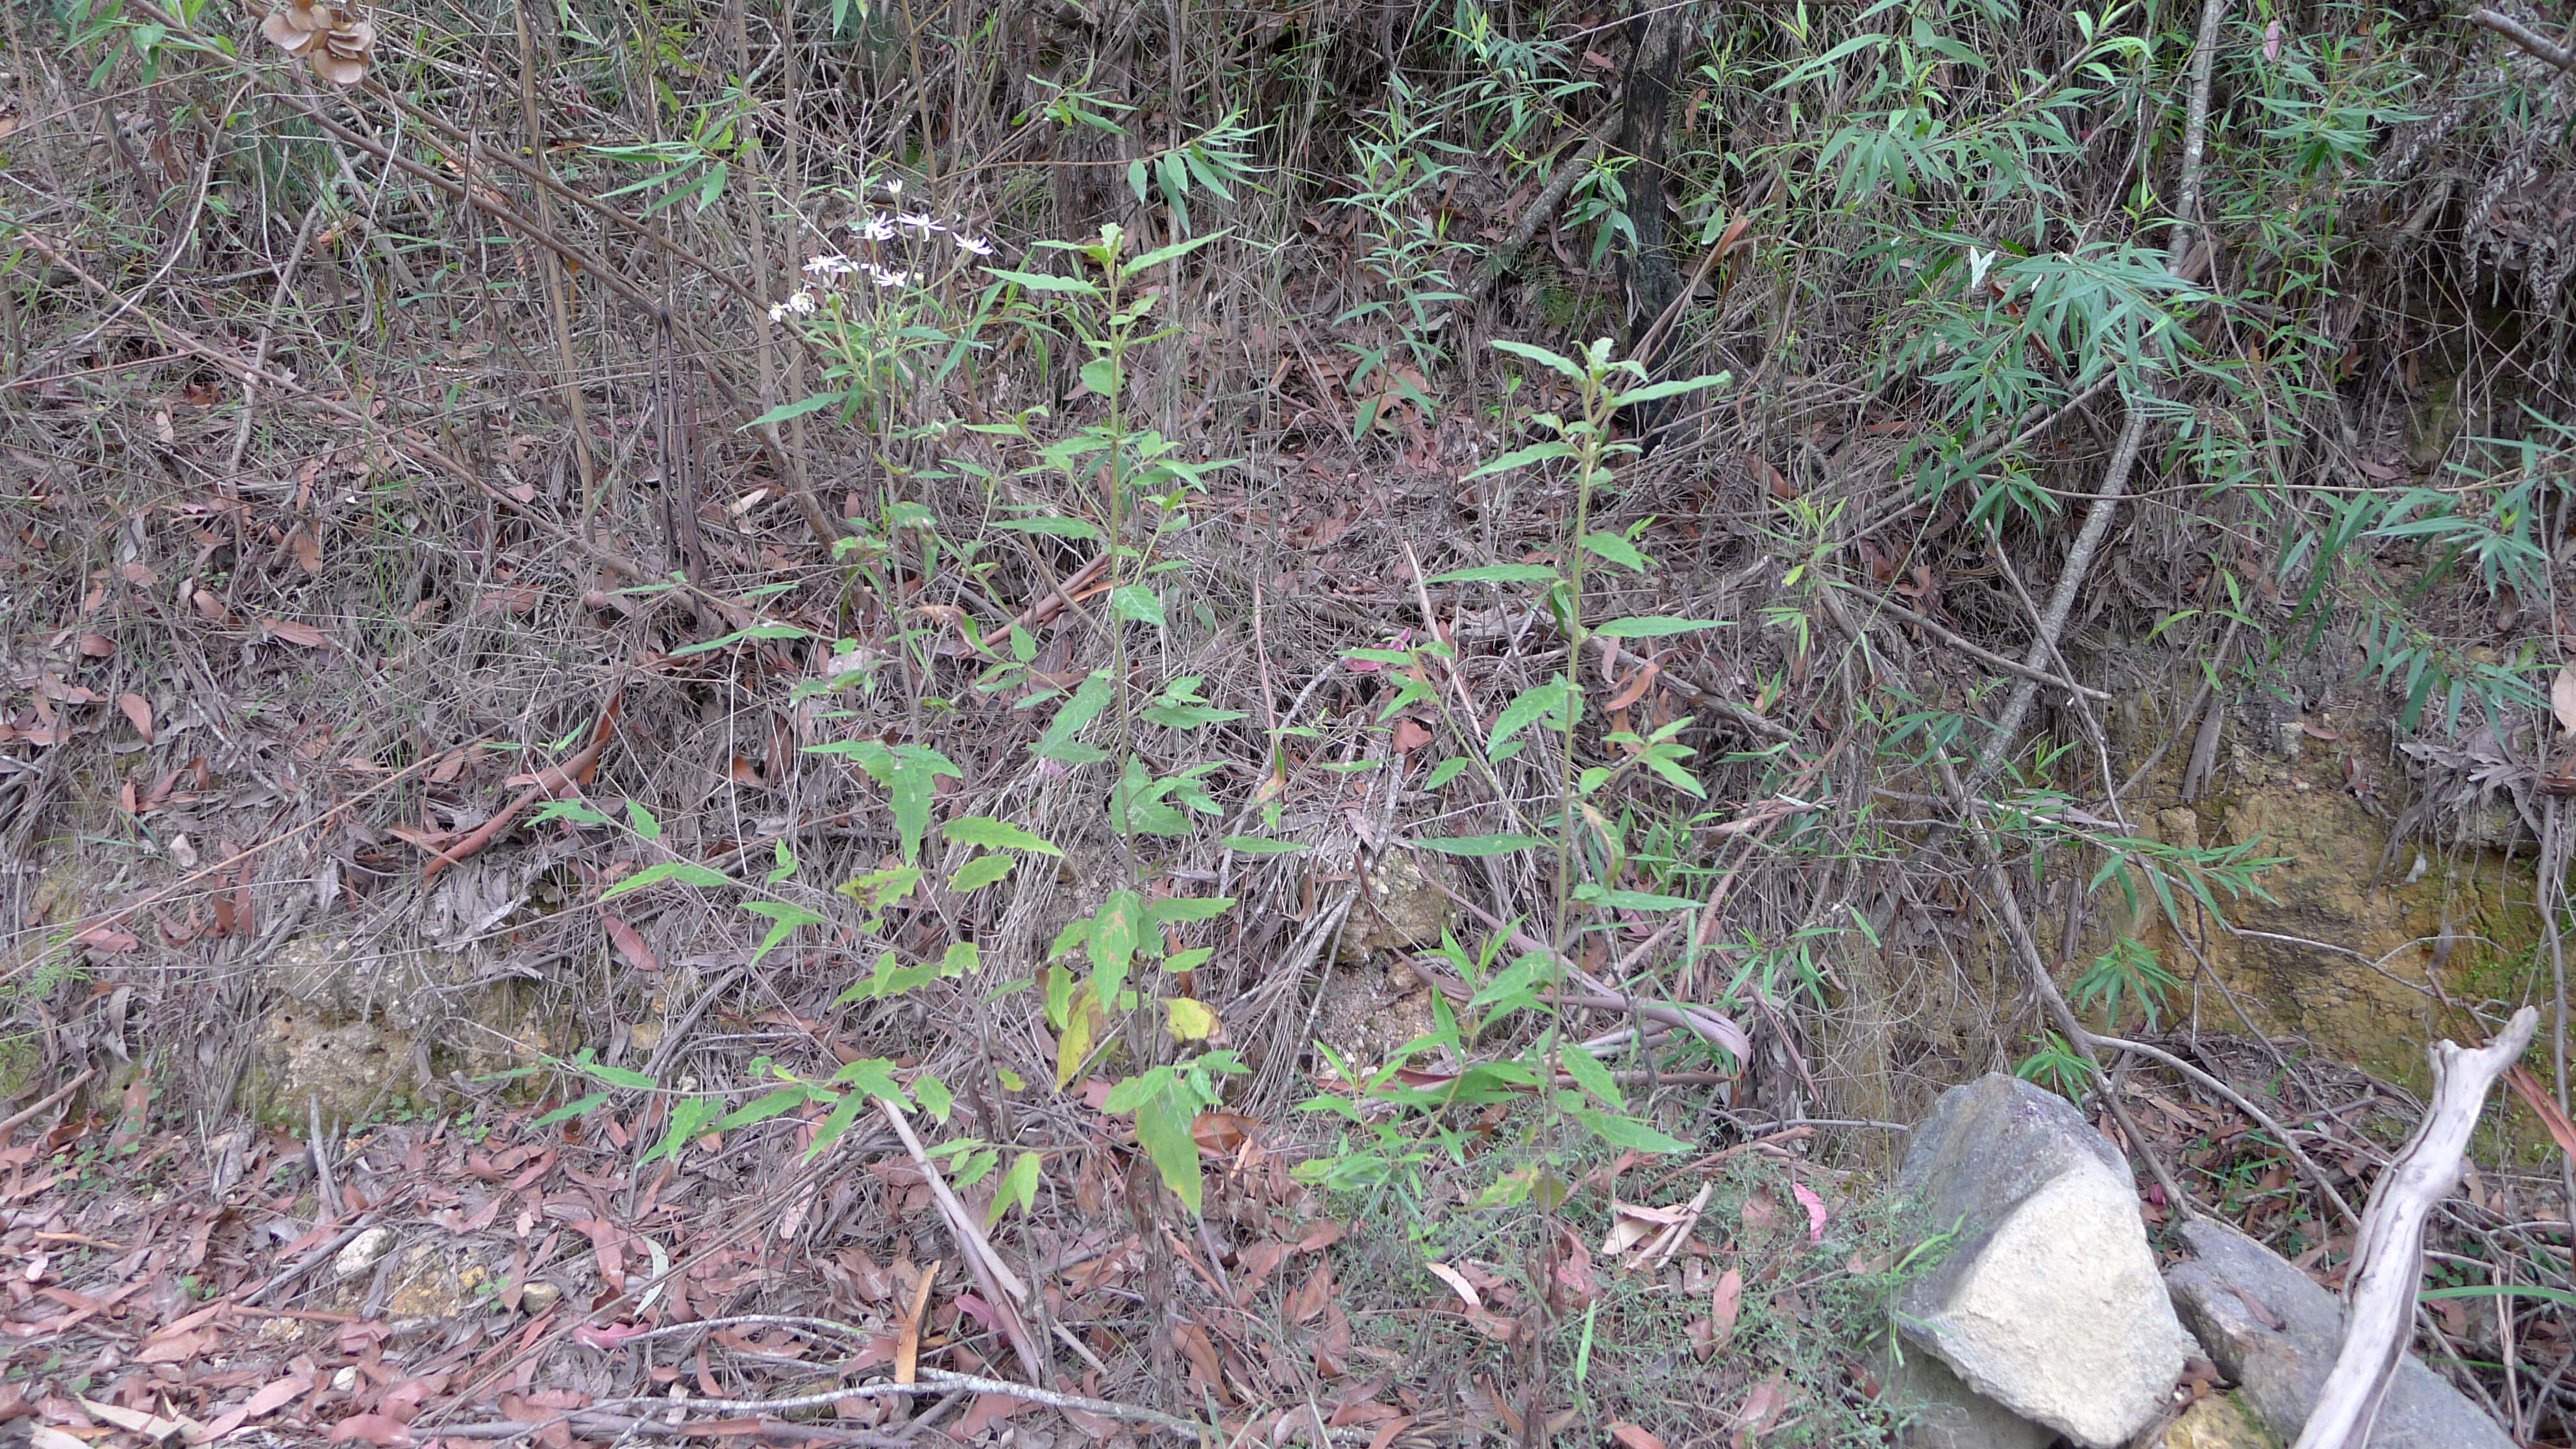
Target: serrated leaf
[
  {"x": 690, "y": 1117},
  {"x": 761, "y": 1109},
  {"x": 1163, "y": 1130},
  {"x": 961, "y": 959},
  {"x": 627, "y": 1077},
  {"x": 980, "y": 872},
  {"x": 785, "y": 920},
  {"x": 994, "y": 834},
  {"x": 933, "y": 1095},
  {"x": 643, "y": 821},
  {"x": 838, "y": 1120},
  {"x": 1019, "y": 1187}
]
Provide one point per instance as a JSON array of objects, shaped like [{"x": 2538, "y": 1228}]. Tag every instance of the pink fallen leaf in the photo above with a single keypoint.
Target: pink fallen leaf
[
  {"x": 631, "y": 945},
  {"x": 1725, "y": 1302},
  {"x": 2272, "y": 40},
  {"x": 381, "y": 1430},
  {"x": 108, "y": 940},
  {"x": 1815, "y": 1207},
  {"x": 607, "y": 1335},
  {"x": 290, "y": 632},
  {"x": 138, "y": 712}
]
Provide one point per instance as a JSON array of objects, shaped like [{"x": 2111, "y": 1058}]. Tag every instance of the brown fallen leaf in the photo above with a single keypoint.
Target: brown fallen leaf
[
  {"x": 1631, "y": 1436},
  {"x": 1311, "y": 1296},
  {"x": 288, "y": 632},
  {"x": 97, "y": 646},
  {"x": 140, "y": 713},
  {"x": 1725, "y": 1302},
  {"x": 907, "y": 1343},
  {"x": 631, "y": 944}
]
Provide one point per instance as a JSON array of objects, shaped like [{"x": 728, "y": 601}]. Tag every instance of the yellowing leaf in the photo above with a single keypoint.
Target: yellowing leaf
[{"x": 1190, "y": 1020}]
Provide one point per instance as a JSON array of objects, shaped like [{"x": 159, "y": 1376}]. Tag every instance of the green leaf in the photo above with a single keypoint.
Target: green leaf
[
  {"x": 690, "y": 1117},
  {"x": 1079, "y": 528},
  {"x": 1163, "y": 1130},
  {"x": 1171, "y": 909},
  {"x": 1160, "y": 255},
  {"x": 1591, "y": 1076},
  {"x": 1117, "y": 931},
  {"x": 1523, "y": 457},
  {"x": 576, "y": 811},
  {"x": 643, "y": 821},
  {"x": 1018, "y": 1187},
  {"x": 785, "y": 1099},
  {"x": 756, "y": 631},
  {"x": 1628, "y": 1132},
  {"x": 1043, "y": 282},
  {"x": 1444, "y": 772},
  {"x": 1618, "y": 900},
  {"x": 1476, "y": 844},
  {"x": 994, "y": 834},
  {"x": 870, "y": 1076},
  {"x": 1498, "y": 574},
  {"x": 1100, "y": 375},
  {"x": 933, "y": 1095},
  {"x": 784, "y": 919},
  {"x": 1533, "y": 704},
  {"x": 1656, "y": 626},
  {"x": 843, "y": 1113},
  {"x": 1255, "y": 845},
  {"x": 686, "y": 872},
  {"x": 1542, "y": 357},
  {"x": 961, "y": 959},
  {"x": 1089, "y": 698},
  {"x": 1616, "y": 549},
  {"x": 570, "y": 1110},
  {"x": 980, "y": 872},
  {"x": 798, "y": 409},
  {"x": 1137, "y": 602},
  {"x": 1675, "y": 387},
  {"x": 631, "y": 1080}
]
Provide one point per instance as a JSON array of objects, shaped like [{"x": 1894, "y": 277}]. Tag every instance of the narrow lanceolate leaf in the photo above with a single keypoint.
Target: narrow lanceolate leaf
[
  {"x": 1523, "y": 457},
  {"x": 1533, "y": 704},
  {"x": 1655, "y": 626},
  {"x": 687, "y": 873},
  {"x": 1477, "y": 844},
  {"x": 994, "y": 834}
]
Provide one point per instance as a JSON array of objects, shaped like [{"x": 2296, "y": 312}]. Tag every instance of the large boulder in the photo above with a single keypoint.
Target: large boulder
[
  {"x": 2047, "y": 1301},
  {"x": 2275, "y": 1333}
]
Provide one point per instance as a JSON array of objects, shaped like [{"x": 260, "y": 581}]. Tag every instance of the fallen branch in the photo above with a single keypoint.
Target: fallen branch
[
  {"x": 1987, "y": 656},
  {"x": 29, "y": 1112},
  {"x": 2520, "y": 34},
  {"x": 2388, "y": 1252},
  {"x": 544, "y": 785}
]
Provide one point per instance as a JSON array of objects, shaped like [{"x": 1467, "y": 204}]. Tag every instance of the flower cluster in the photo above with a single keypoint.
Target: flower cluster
[{"x": 875, "y": 228}]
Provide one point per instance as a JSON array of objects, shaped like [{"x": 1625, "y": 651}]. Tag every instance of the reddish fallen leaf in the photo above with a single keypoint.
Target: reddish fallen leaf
[
  {"x": 287, "y": 631},
  {"x": 107, "y": 939},
  {"x": 139, "y": 712},
  {"x": 1815, "y": 1207},
  {"x": 1410, "y": 736},
  {"x": 1200, "y": 1353},
  {"x": 607, "y": 1335},
  {"x": 1760, "y": 1408},
  {"x": 987, "y": 1409},
  {"x": 1725, "y": 1302},
  {"x": 97, "y": 646},
  {"x": 306, "y": 548},
  {"x": 1761, "y": 1212},
  {"x": 631, "y": 945},
  {"x": 1220, "y": 1133},
  {"x": 1319, "y": 1236},
  {"x": 1631, "y": 1436},
  {"x": 381, "y": 1430},
  {"x": 1311, "y": 1296}
]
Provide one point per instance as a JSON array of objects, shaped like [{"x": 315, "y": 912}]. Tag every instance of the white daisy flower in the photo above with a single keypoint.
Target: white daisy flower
[
  {"x": 885, "y": 278},
  {"x": 797, "y": 305},
  {"x": 919, "y": 222},
  {"x": 894, "y": 188},
  {"x": 875, "y": 228},
  {"x": 975, "y": 244},
  {"x": 833, "y": 265}
]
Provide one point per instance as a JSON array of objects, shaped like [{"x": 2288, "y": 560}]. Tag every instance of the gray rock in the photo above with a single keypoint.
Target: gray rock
[
  {"x": 1939, "y": 1412},
  {"x": 2048, "y": 1302},
  {"x": 2278, "y": 1356}
]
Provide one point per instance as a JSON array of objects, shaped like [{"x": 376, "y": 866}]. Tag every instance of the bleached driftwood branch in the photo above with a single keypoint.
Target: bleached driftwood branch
[{"x": 2388, "y": 1252}]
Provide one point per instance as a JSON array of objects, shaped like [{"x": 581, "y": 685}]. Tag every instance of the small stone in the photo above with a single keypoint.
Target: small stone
[
  {"x": 2217, "y": 1422},
  {"x": 2048, "y": 1302},
  {"x": 363, "y": 1252},
  {"x": 344, "y": 1381},
  {"x": 539, "y": 1298}
]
